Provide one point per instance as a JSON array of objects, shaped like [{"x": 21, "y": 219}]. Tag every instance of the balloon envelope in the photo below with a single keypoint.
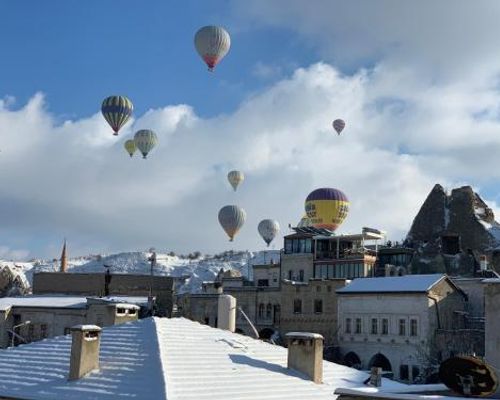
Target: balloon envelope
[
  {"x": 145, "y": 140},
  {"x": 326, "y": 208},
  {"x": 212, "y": 44},
  {"x": 338, "y": 125},
  {"x": 116, "y": 111},
  {"x": 268, "y": 229},
  {"x": 232, "y": 219},
  {"x": 130, "y": 147},
  {"x": 235, "y": 178}
]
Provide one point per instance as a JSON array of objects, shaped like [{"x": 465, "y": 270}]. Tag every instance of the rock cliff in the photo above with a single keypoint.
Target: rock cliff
[{"x": 451, "y": 231}]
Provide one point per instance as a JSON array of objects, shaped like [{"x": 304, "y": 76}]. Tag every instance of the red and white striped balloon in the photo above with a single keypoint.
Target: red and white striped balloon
[{"x": 212, "y": 44}]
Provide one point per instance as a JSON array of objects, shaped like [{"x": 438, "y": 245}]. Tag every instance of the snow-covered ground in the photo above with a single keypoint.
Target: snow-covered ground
[{"x": 196, "y": 271}]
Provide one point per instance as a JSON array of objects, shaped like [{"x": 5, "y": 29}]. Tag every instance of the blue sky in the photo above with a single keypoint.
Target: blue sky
[
  {"x": 406, "y": 76},
  {"x": 77, "y": 53}
]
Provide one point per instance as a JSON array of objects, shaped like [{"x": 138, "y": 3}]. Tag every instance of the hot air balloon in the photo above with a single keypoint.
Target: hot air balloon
[
  {"x": 268, "y": 229},
  {"x": 212, "y": 44},
  {"x": 326, "y": 208},
  {"x": 338, "y": 125},
  {"x": 232, "y": 219},
  {"x": 145, "y": 140},
  {"x": 235, "y": 178},
  {"x": 130, "y": 147},
  {"x": 116, "y": 110}
]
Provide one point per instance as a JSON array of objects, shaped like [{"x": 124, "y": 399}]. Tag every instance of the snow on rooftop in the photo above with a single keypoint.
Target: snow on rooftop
[
  {"x": 406, "y": 283},
  {"x": 63, "y": 301},
  {"x": 176, "y": 359},
  {"x": 43, "y": 301},
  {"x": 130, "y": 367}
]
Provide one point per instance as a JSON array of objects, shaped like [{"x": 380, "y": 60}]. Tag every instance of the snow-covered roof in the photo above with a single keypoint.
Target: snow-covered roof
[
  {"x": 176, "y": 359},
  {"x": 64, "y": 301},
  {"x": 396, "y": 284},
  {"x": 43, "y": 301}
]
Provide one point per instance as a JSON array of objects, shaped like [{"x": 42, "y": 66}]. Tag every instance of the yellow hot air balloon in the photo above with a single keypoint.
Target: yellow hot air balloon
[
  {"x": 235, "y": 178},
  {"x": 326, "y": 208},
  {"x": 130, "y": 147}
]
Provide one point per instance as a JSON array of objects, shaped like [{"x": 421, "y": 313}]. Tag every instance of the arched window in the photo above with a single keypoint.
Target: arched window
[
  {"x": 269, "y": 311},
  {"x": 261, "y": 310}
]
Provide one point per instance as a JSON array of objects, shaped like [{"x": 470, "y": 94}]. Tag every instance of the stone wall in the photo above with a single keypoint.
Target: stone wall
[{"x": 92, "y": 284}]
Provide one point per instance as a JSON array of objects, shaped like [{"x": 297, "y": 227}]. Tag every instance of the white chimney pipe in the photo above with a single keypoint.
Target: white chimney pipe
[
  {"x": 483, "y": 262},
  {"x": 226, "y": 313}
]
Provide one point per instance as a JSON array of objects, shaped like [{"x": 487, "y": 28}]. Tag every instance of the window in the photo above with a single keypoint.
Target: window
[
  {"x": 269, "y": 311},
  {"x": 275, "y": 277},
  {"x": 67, "y": 331},
  {"x": 374, "y": 326},
  {"x": 120, "y": 311},
  {"x": 402, "y": 327},
  {"x": 263, "y": 282},
  {"x": 415, "y": 372},
  {"x": 348, "y": 325},
  {"x": 288, "y": 246},
  {"x": 297, "y": 306},
  {"x": 403, "y": 372},
  {"x": 132, "y": 311},
  {"x": 261, "y": 310},
  {"x": 318, "y": 306},
  {"x": 301, "y": 275},
  {"x": 290, "y": 278},
  {"x": 43, "y": 331},
  {"x": 308, "y": 246},
  {"x": 358, "y": 325},
  {"x": 385, "y": 326},
  {"x": 318, "y": 288},
  {"x": 329, "y": 289},
  {"x": 413, "y": 327}
]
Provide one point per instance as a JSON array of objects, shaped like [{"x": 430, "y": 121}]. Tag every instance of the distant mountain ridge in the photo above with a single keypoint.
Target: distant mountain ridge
[{"x": 204, "y": 268}]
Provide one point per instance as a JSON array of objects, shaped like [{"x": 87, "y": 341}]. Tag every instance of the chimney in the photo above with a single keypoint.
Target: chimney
[
  {"x": 64, "y": 261},
  {"x": 226, "y": 313},
  {"x": 305, "y": 354},
  {"x": 85, "y": 345}
]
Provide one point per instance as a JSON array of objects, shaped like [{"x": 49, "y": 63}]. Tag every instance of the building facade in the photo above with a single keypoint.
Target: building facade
[
  {"x": 405, "y": 325},
  {"x": 31, "y": 318}
]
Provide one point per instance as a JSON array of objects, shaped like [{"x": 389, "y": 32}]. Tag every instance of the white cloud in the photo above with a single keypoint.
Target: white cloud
[
  {"x": 75, "y": 179},
  {"x": 444, "y": 40}
]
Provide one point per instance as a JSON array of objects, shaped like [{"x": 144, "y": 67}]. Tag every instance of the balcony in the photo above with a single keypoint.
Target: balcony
[{"x": 361, "y": 255}]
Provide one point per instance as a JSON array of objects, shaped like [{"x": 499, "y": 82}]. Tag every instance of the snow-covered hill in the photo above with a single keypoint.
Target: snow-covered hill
[{"x": 195, "y": 270}]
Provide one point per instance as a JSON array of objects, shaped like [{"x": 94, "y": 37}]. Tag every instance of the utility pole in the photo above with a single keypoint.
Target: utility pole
[
  {"x": 107, "y": 279},
  {"x": 152, "y": 260}
]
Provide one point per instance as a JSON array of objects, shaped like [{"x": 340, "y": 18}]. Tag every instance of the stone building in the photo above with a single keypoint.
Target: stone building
[
  {"x": 492, "y": 323},
  {"x": 405, "y": 325},
  {"x": 297, "y": 294},
  {"x": 31, "y": 318},
  {"x": 317, "y": 253},
  {"x": 97, "y": 284}
]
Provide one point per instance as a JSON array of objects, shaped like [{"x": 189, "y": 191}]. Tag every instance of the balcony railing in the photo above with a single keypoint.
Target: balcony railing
[{"x": 352, "y": 255}]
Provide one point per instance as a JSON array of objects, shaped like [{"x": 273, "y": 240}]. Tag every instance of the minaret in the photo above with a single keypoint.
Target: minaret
[{"x": 64, "y": 261}]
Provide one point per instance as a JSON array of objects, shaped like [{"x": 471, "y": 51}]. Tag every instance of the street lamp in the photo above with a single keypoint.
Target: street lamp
[{"x": 13, "y": 331}]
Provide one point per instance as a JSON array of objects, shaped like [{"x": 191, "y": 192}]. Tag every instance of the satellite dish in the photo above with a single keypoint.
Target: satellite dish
[{"x": 468, "y": 376}]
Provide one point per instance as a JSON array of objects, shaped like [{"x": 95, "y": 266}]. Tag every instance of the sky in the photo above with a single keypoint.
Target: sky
[{"x": 416, "y": 82}]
